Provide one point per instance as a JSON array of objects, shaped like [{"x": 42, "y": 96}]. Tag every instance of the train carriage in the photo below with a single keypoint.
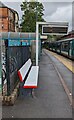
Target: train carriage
[
  {"x": 64, "y": 47},
  {"x": 67, "y": 47}
]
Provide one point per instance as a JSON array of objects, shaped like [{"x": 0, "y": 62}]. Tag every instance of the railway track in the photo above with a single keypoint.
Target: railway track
[{"x": 67, "y": 90}]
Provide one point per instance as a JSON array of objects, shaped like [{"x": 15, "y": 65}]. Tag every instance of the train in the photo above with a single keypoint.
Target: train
[{"x": 63, "y": 47}]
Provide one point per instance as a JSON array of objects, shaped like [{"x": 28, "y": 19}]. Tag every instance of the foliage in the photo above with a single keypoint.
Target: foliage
[
  {"x": 52, "y": 38},
  {"x": 32, "y": 12}
]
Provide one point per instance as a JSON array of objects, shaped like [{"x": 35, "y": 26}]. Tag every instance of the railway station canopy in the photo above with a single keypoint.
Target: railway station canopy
[
  {"x": 18, "y": 35},
  {"x": 19, "y": 38}
]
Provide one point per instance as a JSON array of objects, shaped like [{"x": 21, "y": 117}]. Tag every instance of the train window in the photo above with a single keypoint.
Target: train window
[
  {"x": 70, "y": 44},
  {"x": 65, "y": 46},
  {"x": 58, "y": 45}
]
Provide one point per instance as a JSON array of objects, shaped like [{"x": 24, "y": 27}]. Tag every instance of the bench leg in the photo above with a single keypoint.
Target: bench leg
[
  {"x": 33, "y": 93},
  {"x": 21, "y": 91}
]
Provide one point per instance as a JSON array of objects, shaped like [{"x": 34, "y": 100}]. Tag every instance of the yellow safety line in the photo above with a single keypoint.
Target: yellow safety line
[{"x": 68, "y": 63}]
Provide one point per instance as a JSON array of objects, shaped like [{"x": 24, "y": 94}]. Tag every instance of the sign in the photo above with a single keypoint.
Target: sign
[
  {"x": 55, "y": 29},
  {"x": 14, "y": 43}
]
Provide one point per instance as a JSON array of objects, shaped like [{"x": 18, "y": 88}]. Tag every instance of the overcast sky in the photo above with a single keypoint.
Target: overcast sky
[{"x": 55, "y": 10}]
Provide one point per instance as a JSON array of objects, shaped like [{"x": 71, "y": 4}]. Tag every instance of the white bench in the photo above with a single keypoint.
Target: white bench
[
  {"x": 24, "y": 70},
  {"x": 32, "y": 78}
]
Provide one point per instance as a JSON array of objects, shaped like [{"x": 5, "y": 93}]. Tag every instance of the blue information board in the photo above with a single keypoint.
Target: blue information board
[
  {"x": 25, "y": 43},
  {"x": 14, "y": 43},
  {"x": 17, "y": 43}
]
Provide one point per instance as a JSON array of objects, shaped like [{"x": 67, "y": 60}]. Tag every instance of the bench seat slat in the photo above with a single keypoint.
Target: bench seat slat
[
  {"x": 32, "y": 79},
  {"x": 24, "y": 70}
]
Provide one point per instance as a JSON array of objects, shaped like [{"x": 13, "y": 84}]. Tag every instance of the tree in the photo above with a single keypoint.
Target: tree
[
  {"x": 53, "y": 37},
  {"x": 32, "y": 12}
]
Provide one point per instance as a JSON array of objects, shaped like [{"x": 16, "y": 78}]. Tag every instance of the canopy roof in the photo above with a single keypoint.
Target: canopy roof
[{"x": 17, "y": 35}]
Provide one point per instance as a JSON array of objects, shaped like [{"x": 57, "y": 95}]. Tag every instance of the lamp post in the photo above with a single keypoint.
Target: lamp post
[
  {"x": 58, "y": 24},
  {"x": 37, "y": 35}
]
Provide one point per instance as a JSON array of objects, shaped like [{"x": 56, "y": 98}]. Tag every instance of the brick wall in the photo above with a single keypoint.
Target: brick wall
[{"x": 7, "y": 20}]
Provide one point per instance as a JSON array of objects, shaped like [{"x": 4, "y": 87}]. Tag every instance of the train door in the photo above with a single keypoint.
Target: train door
[
  {"x": 65, "y": 48},
  {"x": 72, "y": 52},
  {"x": 70, "y": 49}
]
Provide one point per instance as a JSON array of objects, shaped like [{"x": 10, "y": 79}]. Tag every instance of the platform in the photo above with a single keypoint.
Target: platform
[
  {"x": 67, "y": 62},
  {"x": 50, "y": 99}
]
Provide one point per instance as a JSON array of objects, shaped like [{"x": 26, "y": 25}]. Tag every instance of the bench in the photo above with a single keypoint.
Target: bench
[{"x": 32, "y": 74}]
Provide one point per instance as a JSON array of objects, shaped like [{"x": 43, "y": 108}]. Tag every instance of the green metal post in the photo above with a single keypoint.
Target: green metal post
[
  {"x": 7, "y": 70},
  {"x": 7, "y": 66}
]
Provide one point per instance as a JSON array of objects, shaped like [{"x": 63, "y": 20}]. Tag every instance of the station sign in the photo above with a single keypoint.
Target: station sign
[
  {"x": 18, "y": 43},
  {"x": 14, "y": 43},
  {"x": 55, "y": 29}
]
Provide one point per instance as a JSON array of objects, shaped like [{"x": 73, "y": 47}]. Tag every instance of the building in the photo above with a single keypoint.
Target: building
[
  {"x": 16, "y": 21},
  {"x": 69, "y": 35},
  {"x": 8, "y": 19}
]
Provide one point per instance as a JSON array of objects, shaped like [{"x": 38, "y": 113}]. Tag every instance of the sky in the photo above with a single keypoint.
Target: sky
[{"x": 55, "y": 10}]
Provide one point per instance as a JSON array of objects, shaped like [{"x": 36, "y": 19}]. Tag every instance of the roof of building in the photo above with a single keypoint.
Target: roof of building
[
  {"x": 2, "y": 5},
  {"x": 69, "y": 35}
]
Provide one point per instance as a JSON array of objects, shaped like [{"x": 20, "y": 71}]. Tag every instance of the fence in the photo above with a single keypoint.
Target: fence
[
  {"x": 15, "y": 57},
  {"x": 17, "y": 49}
]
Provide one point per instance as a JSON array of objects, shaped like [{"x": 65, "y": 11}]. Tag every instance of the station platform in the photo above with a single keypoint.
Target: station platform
[
  {"x": 65, "y": 67},
  {"x": 67, "y": 62},
  {"x": 50, "y": 99}
]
